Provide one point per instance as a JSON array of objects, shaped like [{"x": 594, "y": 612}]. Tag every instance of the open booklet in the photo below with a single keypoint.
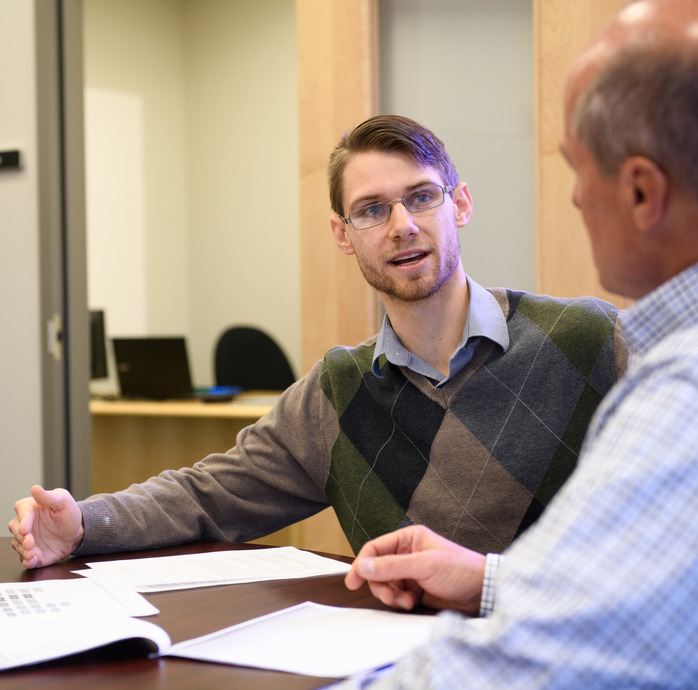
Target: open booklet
[
  {"x": 51, "y": 619},
  {"x": 308, "y": 639}
]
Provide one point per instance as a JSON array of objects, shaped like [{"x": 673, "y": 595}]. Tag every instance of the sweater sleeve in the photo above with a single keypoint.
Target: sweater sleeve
[{"x": 274, "y": 476}]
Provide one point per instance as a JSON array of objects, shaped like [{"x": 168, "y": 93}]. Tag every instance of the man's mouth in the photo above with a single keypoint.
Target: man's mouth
[{"x": 409, "y": 259}]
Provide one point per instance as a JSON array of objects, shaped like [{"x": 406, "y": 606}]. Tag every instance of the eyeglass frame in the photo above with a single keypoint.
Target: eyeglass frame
[{"x": 444, "y": 190}]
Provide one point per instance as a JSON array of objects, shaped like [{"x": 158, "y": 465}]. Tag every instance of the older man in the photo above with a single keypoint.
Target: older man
[{"x": 601, "y": 592}]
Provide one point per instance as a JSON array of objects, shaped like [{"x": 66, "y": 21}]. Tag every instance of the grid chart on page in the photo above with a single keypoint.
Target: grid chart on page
[{"x": 20, "y": 602}]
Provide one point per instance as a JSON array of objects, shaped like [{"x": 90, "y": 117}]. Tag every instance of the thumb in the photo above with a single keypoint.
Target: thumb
[
  {"x": 44, "y": 498},
  {"x": 55, "y": 499},
  {"x": 391, "y": 568}
]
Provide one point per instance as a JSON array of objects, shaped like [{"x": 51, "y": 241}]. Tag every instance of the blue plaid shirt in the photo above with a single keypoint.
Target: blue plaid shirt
[{"x": 603, "y": 591}]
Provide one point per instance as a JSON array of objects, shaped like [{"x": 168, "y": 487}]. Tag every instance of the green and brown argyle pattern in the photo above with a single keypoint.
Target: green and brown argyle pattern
[{"x": 478, "y": 459}]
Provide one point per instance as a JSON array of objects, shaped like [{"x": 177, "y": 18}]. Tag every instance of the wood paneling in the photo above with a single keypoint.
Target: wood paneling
[
  {"x": 564, "y": 265},
  {"x": 337, "y": 87}
]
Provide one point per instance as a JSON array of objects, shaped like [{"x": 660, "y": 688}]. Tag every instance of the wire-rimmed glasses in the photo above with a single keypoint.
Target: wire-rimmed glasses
[{"x": 418, "y": 200}]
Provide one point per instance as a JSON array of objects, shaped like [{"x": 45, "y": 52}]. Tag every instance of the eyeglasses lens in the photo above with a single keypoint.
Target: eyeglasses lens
[{"x": 421, "y": 199}]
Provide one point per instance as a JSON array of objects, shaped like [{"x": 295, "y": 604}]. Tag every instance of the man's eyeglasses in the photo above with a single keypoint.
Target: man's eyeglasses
[{"x": 416, "y": 201}]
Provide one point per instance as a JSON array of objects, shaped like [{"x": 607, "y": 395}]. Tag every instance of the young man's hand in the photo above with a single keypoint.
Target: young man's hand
[{"x": 48, "y": 527}]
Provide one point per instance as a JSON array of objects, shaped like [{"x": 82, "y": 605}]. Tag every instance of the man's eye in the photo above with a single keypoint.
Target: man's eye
[
  {"x": 370, "y": 211},
  {"x": 424, "y": 196}
]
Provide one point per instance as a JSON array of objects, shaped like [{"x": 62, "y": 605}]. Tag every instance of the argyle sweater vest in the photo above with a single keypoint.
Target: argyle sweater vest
[{"x": 478, "y": 459}]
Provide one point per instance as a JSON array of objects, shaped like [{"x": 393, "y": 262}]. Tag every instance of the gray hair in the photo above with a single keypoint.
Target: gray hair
[{"x": 644, "y": 102}]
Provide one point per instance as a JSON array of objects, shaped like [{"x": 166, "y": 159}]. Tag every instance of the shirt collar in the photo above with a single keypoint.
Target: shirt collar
[
  {"x": 483, "y": 320},
  {"x": 485, "y": 317},
  {"x": 670, "y": 307}
]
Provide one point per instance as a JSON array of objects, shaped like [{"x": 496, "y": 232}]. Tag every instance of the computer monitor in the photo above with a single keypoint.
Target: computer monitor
[{"x": 98, "y": 345}]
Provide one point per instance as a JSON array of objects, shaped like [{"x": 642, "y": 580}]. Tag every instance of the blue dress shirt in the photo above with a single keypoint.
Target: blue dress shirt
[{"x": 483, "y": 320}]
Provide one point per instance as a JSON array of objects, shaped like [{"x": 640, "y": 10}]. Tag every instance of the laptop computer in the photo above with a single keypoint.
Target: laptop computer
[{"x": 156, "y": 368}]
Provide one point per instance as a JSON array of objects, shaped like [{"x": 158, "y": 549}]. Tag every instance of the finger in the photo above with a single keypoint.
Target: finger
[
  {"x": 404, "y": 594},
  {"x": 23, "y": 523},
  {"x": 385, "y": 544},
  {"x": 29, "y": 561},
  {"x": 25, "y": 542},
  {"x": 352, "y": 580},
  {"x": 405, "y": 540},
  {"x": 394, "y": 595},
  {"x": 27, "y": 557},
  {"x": 413, "y": 566},
  {"x": 361, "y": 568}
]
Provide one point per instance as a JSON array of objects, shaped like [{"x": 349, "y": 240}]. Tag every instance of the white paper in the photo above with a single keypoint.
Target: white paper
[
  {"x": 44, "y": 601},
  {"x": 29, "y": 644},
  {"x": 49, "y": 619},
  {"x": 215, "y": 568},
  {"x": 314, "y": 640}
]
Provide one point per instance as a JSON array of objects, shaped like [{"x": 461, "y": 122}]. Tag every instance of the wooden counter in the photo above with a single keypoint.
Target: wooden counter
[{"x": 133, "y": 440}]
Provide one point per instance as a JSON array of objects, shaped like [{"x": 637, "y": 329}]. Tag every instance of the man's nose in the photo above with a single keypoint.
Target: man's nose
[{"x": 401, "y": 221}]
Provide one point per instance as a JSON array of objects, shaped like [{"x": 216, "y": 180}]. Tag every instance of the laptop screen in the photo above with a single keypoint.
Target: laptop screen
[{"x": 153, "y": 367}]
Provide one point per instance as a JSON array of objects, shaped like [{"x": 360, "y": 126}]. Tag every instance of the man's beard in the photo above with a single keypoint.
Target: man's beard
[{"x": 418, "y": 287}]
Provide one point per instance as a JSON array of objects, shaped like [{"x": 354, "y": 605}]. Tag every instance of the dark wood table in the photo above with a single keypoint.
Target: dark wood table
[{"x": 184, "y": 614}]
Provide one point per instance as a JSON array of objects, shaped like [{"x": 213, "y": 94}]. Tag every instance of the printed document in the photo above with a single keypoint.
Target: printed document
[
  {"x": 214, "y": 568},
  {"x": 49, "y": 619}
]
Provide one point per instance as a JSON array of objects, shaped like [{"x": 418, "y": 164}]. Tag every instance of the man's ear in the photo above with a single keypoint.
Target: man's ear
[
  {"x": 339, "y": 229},
  {"x": 645, "y": 188},
  {"x": 462, "y": 204}
]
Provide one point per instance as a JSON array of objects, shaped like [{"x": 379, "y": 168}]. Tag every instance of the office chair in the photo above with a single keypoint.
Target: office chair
[{"x": 249, "y": 358}]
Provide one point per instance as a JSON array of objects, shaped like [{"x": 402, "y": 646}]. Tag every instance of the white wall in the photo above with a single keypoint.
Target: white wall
[
  {"x": 242, "y": 148},
  {"x": 20, "y": 392},
  {"x": 464, "y": 68},
  {"x": 115, "y": 206},
  {"x": 219, "y": 166},
  {"x": 137, "y": 230}
]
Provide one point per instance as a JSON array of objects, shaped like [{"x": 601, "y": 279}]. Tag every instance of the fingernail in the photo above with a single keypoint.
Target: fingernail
[
  {"x": 367, "y": 566},
  {"x": 404, "y": 602}
]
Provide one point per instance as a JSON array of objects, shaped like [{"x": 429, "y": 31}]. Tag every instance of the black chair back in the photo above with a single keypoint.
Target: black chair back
[{"x": 250, "y": 358}]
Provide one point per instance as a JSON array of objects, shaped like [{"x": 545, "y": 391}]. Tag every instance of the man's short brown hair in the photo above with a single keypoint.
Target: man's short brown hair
[{"x": 389, "y": 134}]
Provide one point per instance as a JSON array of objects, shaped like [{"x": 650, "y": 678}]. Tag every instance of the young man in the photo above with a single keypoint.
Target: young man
[
  {"x": 601, "y": 592},
  {"x": 465, "y": 413}
]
